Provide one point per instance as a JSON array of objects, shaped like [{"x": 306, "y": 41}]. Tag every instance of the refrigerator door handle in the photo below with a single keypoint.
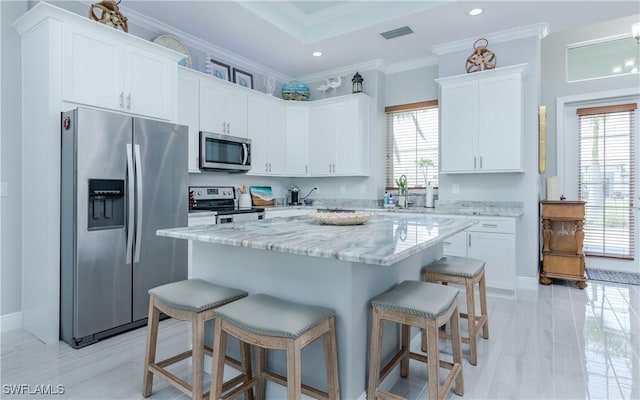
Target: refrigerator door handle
[
  {"x": 131, "y": 200},
  {"x": 136, "y": 254}
]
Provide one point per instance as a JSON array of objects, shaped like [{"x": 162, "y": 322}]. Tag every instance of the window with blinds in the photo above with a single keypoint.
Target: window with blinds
[
  {"x": 412, "y": 135},
  {"x": 606, "y": 179}
]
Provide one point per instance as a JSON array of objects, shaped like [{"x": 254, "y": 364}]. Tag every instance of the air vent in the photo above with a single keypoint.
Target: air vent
[{"x": 405, "y": 30}]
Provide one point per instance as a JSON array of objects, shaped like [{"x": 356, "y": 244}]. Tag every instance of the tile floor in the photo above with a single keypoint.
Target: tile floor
[{"x": 557, "y": 343}]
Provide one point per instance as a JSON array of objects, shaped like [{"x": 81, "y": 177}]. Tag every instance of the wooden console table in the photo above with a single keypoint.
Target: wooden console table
[{"x": 562, "y": 239}]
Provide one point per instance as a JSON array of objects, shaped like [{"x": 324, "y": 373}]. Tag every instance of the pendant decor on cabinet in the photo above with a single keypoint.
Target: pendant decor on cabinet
[
  {"x": 109, "y": 14},
  {"x": 482, "y": 58}
]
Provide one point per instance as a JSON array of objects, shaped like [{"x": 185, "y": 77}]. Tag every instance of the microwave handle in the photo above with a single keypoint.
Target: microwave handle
[{"x": 245, "y": 153}]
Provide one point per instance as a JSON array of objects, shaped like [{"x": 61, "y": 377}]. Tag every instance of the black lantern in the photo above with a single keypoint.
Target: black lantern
[{"x": 357, "y": 83}]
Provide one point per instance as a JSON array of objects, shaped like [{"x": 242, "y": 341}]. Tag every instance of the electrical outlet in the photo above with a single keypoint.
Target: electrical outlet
[
  {"x": 363, "y": 188},
  {"x": 343, "y": 189},
  {"x": 455, "y": 188}
]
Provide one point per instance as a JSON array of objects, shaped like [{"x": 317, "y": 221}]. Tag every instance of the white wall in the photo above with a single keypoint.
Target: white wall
[
  {"x": 554, "y": 81},
  {"x": 11, "y": 159}
]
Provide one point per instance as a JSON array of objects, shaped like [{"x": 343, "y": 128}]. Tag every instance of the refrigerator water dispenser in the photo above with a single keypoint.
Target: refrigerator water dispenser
[{"x": 106, "y": 204}]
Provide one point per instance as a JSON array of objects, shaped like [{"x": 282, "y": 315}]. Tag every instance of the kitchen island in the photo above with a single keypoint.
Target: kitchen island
[{"x": 342, "y": 267}]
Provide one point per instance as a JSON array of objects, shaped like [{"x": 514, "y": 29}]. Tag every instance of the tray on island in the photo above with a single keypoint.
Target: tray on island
[{"x": 341, "y": 218}]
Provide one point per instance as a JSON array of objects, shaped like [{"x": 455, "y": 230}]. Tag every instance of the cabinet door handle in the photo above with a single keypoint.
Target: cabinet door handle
[
  {"x": 269, "y": 167},
  {"x": 306, "y": 169},
  {"x": 447, "y": 243},
  {"x": 489, "y": 225},
  {"x": 228, "y": 127},
  {"x": 121, "y": 99},
  {"x": 129, "y": 101},
  {"x": 469, "y": 237},
  {"x": 474, "y": 162},
  {"x": 480, "y": 162},
  {"x": 266, "y": 167}
]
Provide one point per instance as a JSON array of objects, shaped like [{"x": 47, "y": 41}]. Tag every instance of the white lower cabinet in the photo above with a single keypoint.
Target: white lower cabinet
[{"x": 492, "y": 239}]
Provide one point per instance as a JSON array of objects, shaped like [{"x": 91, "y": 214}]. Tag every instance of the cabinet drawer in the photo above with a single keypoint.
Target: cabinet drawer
[
  {"x": 563, "y": 210},
  {"x": 498, "y": 225},
  {"x": 455, "y": 245},
  {"x": 209, "y": 220},
  {"x": 564, "y": 265}
]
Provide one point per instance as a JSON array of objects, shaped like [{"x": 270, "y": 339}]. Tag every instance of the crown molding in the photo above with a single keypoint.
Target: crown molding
[
  {"x": 151, "y": 24},
  {"x": 411, "y": 64},
  {"x": 538, "y": 30}
]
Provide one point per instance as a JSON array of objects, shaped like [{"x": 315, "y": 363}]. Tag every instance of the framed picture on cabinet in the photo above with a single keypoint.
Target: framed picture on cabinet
[
  {"x": 218, "y": 69},
  {"x": 243, "y": 78}
]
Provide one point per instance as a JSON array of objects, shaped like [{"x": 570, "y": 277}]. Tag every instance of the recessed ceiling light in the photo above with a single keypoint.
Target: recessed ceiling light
[
  {"x": 316, "y": 53},
  {"x": 475, "y": 11}
]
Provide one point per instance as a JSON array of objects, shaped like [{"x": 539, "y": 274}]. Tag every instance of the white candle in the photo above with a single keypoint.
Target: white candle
[{"x": 553, "y": 188}]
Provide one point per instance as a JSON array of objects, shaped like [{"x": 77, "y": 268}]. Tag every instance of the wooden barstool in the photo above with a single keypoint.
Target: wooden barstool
[
  {"x": 271, "y": 323},
  {"x": 426, "y": 306},
  {"x": 467, "y": 272},
  {"x": 189, "y": 300}
]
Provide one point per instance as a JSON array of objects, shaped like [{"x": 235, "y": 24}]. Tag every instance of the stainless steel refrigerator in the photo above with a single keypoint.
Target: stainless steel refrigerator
[{"x": 122, "y": 178}]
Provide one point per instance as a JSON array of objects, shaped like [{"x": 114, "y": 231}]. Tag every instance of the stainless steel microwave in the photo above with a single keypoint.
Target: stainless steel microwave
[{"x": 224, "y": 152}]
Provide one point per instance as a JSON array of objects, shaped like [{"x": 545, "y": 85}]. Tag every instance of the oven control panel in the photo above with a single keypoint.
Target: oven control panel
[{"x": 211, "y": 192}]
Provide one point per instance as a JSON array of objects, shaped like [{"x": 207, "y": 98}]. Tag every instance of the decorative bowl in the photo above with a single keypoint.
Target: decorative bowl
[
  {"x": 341, "y": 218},
  {"x": 295, "y": 90}
]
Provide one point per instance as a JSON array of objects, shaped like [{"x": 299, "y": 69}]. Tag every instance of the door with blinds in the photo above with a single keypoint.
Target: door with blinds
[{"x": 608, "y": 168}]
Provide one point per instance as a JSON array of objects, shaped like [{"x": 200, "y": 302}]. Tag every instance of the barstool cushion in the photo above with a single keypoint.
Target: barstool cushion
[
  {"x": 195, "y": 295},
  {"x": 270, "y": 316},
  {"x": 456, "y": 266},
  {"x": 418, "y": 298}
]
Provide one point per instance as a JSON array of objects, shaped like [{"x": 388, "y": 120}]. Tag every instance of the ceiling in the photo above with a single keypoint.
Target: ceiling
[{"x": 281, "y": 35}]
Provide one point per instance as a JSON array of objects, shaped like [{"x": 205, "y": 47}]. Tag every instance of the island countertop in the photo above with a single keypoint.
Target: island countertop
[{"x": 384, "y": 240}]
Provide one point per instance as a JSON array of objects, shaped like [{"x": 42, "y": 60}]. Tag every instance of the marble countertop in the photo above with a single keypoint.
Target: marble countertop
[
  {"x": 479, "y": 208},
  {"x": 384, "y": 240}
]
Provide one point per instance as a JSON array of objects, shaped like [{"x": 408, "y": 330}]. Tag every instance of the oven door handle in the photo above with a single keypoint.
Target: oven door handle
[{"x": 245, "y": 154}]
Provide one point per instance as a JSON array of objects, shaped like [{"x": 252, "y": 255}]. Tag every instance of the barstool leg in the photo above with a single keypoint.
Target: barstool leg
[
  {"x": 433, "y": 370},
  {"x": 152, "y": 341},
  {"x": 471, "y": 318},
  {"x": 261, "y": 361},
  {"x": 457, "y": 349},
  {"x": 404, "y": 364},
  {"x": 197, "y": 356},
  {"x": 374, "y": 353},
  {"x": 217, "y": 366},
  {"x": 331, "y": 360},
  {"x": 245, "y": 356},
  {"x": 483, "y": 307},
  {"x": 294, "y": 379}
]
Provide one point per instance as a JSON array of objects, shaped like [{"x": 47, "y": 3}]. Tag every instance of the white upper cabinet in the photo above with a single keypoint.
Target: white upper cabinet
[
  {"x": 267, "y": 131},
  {"x": 481, "y": 121},
  {"x": 223, "y": 107},
  {"x": 189, "y": 112},
  {"x": 101, "y": 71},
  {"x": 339, "y": 138},
  {"x": 297, "y": 140}
]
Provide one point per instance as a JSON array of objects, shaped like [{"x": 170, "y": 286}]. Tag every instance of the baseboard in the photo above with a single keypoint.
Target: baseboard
[
  {"x": 527, "y": 283},
  {"x": 9, "y": 322}
]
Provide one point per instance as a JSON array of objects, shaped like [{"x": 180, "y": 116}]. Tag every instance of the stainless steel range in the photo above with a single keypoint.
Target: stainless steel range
[{"x": 222, "y": 201}]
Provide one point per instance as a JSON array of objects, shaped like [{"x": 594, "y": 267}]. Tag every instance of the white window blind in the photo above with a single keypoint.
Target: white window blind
[
  {"x": 606, "y": 179},
  {"x": 412, "y": 134}
]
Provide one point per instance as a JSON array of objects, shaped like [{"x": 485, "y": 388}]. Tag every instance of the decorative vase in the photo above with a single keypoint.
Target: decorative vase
[
  {"x": 428, "y": 200},
  {"x": 402, "y": 201},
  {"x": 295, "y": 90}
]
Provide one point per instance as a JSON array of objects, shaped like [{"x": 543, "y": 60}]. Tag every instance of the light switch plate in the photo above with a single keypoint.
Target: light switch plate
[
  {"x": 455, "y": 188},
  {"x": 343, "y": 189},
  {"x": 3, "y": 189}
]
